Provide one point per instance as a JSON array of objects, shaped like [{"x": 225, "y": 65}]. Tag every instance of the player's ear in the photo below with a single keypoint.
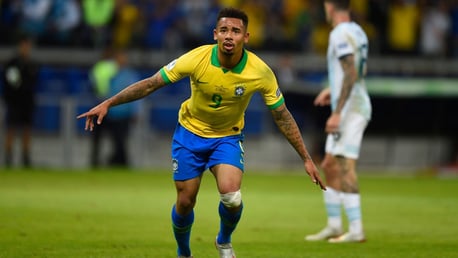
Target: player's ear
[
  {"x": 247, "y": 37},
  {"x": 214, "y": 34}
]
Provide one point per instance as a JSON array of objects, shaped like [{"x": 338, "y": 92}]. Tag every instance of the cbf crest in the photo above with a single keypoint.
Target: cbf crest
[{"x": 239, "y": 90}]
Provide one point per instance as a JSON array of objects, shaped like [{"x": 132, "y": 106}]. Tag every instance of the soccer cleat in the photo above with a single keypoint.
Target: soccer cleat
[
  {"x": 225, "y": 250},
  {"x": 324, "y": 234},
  {"x": 182, "y": 256},
  {"x": 348, "y": 238}
]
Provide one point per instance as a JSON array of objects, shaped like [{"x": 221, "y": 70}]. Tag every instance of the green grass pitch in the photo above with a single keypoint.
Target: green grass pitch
[{"x": 127, "y": 214}]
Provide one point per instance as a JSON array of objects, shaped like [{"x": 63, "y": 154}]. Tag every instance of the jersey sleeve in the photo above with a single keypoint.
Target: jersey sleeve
[
  {"x": 183, "y": 66},
  {"x": 342, "y": 44},
  {"x": 271, "y": 92}
]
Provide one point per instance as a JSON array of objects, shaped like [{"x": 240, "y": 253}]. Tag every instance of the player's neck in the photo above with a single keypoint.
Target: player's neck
[
  {"x": 340, "y": 17},
  {"x": 229, "y": 61}
]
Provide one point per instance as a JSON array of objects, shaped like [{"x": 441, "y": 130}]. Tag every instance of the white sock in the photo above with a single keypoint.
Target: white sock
[
  {"x": 333, "y": 202},
  {"x": 352, "y": 206}
]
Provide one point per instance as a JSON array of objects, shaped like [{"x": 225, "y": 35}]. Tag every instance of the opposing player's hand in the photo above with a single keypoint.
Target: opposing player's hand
[
  {"x": 98, "y": 112},
  {"x": 324, "y": 98},
  {"x": 312, "y": 171},
  {"x": 333, "y": 123}
]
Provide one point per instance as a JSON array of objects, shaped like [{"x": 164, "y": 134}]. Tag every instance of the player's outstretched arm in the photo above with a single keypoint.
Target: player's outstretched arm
[
  {"x": 288, "y": 127},
  {"x": 132, "y": 92}
]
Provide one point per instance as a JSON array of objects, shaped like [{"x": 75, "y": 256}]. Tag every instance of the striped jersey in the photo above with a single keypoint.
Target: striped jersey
[{"x": 349, "y": 38}]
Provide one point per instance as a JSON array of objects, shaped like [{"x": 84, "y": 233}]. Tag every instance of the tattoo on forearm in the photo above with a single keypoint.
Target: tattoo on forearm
[
  {"x": 138, "y": 90},
  {"x": 288, "y": 127},
  {"x": 348, "y": 66}
]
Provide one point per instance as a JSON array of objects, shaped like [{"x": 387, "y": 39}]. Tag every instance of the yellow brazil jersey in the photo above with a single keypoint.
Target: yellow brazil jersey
[{"x": 219, "y": 97}]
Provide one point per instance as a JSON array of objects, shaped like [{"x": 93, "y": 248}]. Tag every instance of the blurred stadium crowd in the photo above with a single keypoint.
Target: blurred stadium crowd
[
  {"x": 401, "y": 27},
  {"x": 412, "y": 42}
]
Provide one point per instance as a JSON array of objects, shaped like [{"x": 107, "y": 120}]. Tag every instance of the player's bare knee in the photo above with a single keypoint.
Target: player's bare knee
[
  {"x": 232, "y": 199},
  {"x": 186, "y": 203}
]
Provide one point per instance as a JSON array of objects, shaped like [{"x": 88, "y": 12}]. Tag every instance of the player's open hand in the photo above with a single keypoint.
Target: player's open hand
[
  {"x": 324, "y": 98},
  {"x": 98, "y": 112},
  {"x": 333, "y": 123},
  {"x": 312, "y": 171}
]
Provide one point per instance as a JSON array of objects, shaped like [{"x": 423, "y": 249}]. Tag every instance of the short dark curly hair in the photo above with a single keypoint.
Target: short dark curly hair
[{"x": 230, "y": 12}]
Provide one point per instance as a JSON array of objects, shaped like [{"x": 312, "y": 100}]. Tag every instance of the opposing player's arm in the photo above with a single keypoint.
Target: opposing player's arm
[
  {"x": 350, "y": 76},
  {"x": 323, "y": 98}
]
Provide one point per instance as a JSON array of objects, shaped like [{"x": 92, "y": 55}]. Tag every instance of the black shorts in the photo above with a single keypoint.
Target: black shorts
[{"x": 19, "y": 115}]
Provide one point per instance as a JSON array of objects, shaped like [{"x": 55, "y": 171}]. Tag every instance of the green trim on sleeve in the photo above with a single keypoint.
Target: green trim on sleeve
[
  {"x": 164, "y": 76},
  {"x": 279, "y": 103}
]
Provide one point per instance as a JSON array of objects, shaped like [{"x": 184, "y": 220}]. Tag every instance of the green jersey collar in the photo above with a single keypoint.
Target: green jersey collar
[{"x": 237, "y": 69}]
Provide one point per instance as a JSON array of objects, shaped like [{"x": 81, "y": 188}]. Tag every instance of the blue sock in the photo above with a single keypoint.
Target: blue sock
[
  {"x": 182, "y": 231},
  {"x": 228, "y": 223}
]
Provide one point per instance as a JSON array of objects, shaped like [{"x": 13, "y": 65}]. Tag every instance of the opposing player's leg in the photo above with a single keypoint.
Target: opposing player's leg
[
  {"x": 346, "y": 157},
  {"x": 332, "y": 200},
  {"x": 351, "y": 202}
]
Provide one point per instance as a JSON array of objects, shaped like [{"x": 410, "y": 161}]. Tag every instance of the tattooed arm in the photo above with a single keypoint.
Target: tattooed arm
[
  {"x": 132, "y": 92},
  {"x": 288, "y": 127},
  {"x": 350, "y": 76}
]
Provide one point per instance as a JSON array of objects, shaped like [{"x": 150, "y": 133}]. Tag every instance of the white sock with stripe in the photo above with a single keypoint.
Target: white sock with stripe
[
  {"x": 352, "y": 204},
  {"x": 333, "y": 202}
]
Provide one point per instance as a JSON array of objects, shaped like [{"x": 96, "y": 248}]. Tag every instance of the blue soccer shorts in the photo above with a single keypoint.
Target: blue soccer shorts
[{"x": 192, "y": 155}]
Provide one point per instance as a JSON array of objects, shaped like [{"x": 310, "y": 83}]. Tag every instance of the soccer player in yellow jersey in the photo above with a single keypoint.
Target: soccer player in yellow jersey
[{"x": 209, "y": 134}]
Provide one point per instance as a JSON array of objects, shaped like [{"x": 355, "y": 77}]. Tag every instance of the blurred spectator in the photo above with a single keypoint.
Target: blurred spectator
[
  {"x": 453, "y": 42},
  {"x": 162, "y": 23},
  {"x": 19, "y": 78},
  {"x": 98, "y": 16},
  {"x": 255, "y": 9},
  {"x": 299, "y": 22},
  {"x": 228, "y": 3},
  {"x": 126, "y": 25},
  {"x": 360, "y": 14},
  {"x": 8, "y": 21},
  {"x": 110, "y": 75},
  {"x": 100, "y": 75},
  {"x": 276, "y": 29},
  {"x": 435, "y": 25},
  {"x": 285, "y": 72},
  {"x": 33, "y": 17},
  {"x": 199, "y": 21},
  {"x": 120, "y": 118},
  {"x": 319, "y": 38},
  {"x": 378, "y": 16},
  {"x": 278, "y": 25},
  {"x": 64, "y": 20},
  {"x": 403, "y": 26}
]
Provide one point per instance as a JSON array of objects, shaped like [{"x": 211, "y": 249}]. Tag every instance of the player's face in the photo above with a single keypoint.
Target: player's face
[{"x": 231, "y": 35}]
